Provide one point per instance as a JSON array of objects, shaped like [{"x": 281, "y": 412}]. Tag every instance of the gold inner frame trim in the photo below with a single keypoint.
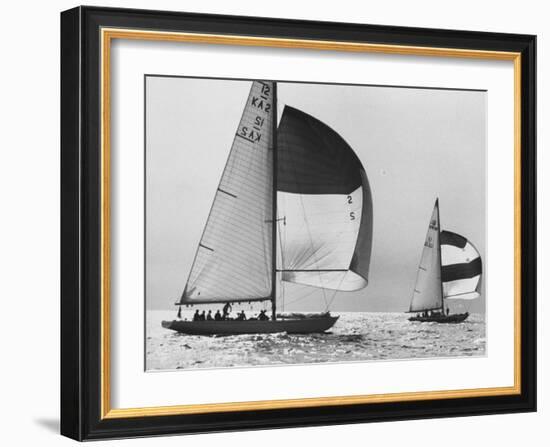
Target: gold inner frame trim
[{"x": 107, "y": 35}]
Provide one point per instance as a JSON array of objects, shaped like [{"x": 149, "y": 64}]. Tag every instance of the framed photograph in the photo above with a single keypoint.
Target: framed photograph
[{"x": 272, "y": 223}]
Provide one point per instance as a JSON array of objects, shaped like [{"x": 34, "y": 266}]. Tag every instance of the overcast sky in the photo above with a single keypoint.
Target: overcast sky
[{"x": 415, "y": 145}]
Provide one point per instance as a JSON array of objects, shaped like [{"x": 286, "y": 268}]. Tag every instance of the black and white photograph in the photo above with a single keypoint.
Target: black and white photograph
[
  {"x": 288, "y": 220},
  {"x": 297, "y": 223}
]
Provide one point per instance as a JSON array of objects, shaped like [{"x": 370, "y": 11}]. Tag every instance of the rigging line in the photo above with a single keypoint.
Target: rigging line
[
  {"x": 282, "y": 289},
  {"x": 315, "y": 251},
  {"x": 283, "y": 247},
  {"x": 307, "y": 295},
  {"x": 309, "y": 234},
  {"x": 282, "y": 259},
  {"x": 309, "y": 291},
  {"x": 296, "y": 300},
  {"x": 342, "y": 277},
  {"x": 336, "y": 291}
]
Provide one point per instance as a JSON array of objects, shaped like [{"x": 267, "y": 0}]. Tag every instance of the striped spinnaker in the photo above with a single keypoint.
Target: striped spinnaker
[{"x": 460, "y": 267}]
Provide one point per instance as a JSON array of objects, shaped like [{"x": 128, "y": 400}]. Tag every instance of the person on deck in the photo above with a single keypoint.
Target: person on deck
[
  {"x": 203, "y": 316},
  {"x": 196, "y": 316},
  {"x": 262, "y": 316},
  {"x": 209, "y": 316},
  {"x": 447, "y": 311},
  {"x": 218, "y": 315},
  {"x": 241, "y": 316},
  {"x": 226, "y": 309}
]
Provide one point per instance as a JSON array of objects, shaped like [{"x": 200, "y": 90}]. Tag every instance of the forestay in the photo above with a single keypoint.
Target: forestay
[
  {"x": 233, "y": 261},
  {"x": 324, "y": 206}
]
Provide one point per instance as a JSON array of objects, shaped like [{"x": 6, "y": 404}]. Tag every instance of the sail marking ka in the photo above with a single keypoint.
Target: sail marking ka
[{"x": 233, "y": 261}]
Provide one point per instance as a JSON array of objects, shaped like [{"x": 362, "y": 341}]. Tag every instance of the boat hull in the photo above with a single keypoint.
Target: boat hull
[
  {"x": 310, "y": 325},
  {"x": 453, "y": 318}
]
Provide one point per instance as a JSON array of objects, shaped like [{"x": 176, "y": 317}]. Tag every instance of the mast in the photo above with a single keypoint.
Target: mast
[
  {"x": 439, "y": 254},
  {"x": 274, "y": 210}
]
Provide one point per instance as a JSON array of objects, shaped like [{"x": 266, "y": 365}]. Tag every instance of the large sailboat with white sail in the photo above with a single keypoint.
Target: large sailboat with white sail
[
  {"x": 450, "y": 269},
  {"x": 293, "y": 205}
]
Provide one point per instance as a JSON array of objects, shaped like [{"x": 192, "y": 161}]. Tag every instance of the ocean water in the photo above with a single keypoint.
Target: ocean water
[{"x": 356, "y": 336}]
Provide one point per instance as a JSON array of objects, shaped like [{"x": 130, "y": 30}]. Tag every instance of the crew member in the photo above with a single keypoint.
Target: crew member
[{"x": 226, "y": 309}]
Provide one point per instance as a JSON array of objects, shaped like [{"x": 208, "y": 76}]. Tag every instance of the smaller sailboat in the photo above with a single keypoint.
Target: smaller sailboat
[{"x": 450, "y": 268}]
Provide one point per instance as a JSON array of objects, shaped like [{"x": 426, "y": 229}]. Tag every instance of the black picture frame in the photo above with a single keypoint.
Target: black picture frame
[{"x": 81, "y": 208}]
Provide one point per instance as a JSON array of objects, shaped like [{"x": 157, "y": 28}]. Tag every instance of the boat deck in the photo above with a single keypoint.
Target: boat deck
[
  {"x": 453, "y": 318},
  {"x": 309, "y": 325}
]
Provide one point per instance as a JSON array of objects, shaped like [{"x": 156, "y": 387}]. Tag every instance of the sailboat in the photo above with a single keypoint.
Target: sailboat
[
  {"x": 293, "y": 205},
  {"x": 449, "y": 269}
]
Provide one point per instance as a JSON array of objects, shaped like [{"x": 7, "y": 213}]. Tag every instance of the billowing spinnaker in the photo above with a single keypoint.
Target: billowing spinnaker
[
  {"x": 234, "y": 256},
  {"x": 461, "y": 267},
  {"x": 427, "y": 290},
  {"x": 324, "y": 206}
]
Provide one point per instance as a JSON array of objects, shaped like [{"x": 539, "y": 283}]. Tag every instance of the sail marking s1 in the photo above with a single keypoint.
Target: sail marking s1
[{"x": 233, "y": 260}]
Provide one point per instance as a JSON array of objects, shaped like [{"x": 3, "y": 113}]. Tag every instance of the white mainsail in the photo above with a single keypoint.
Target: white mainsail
[
  {"x": 233, "y": 261},
  {"x": 427, "y": 293}
]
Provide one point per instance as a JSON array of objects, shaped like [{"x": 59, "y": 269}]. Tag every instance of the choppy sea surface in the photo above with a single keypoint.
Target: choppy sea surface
[{"x": 356, "y": 336}]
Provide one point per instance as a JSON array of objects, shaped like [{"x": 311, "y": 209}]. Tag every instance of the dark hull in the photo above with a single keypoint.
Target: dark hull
[
  {"x": 453, "y": 318},
  {"x": 310, "y": 325}
]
